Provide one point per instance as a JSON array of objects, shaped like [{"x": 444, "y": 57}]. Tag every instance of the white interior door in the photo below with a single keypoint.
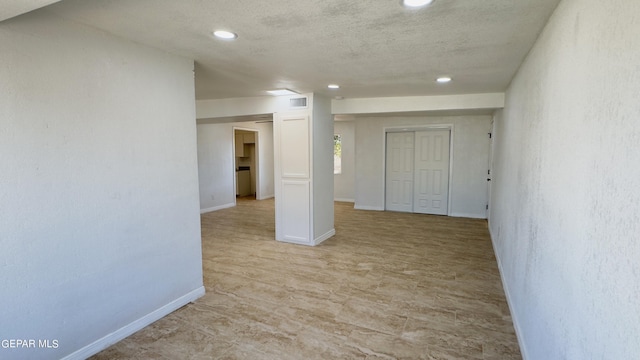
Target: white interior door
[
  {"x": 399, "y": 171},
  {"x": 431, "y": 190}
]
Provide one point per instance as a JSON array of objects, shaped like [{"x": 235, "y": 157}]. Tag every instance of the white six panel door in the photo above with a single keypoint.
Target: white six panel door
[
  {"x": 431, "y": 190},
  {"x": 399, "y": 171}
]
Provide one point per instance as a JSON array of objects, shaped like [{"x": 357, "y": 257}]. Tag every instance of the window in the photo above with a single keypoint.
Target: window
[{"x": 337, "y": 154}]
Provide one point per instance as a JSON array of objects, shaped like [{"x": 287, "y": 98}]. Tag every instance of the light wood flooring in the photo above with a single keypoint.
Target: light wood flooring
[{"x": 386, "y": 286}]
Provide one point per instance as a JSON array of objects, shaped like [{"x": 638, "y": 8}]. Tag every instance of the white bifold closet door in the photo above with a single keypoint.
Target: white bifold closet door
[
  {"x": 399, "y": 172},
  {"x": 417, "y": 171}
]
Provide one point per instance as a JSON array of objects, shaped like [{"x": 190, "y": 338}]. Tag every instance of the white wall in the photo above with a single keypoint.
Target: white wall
[
  {"x": 399, "y": 104},
  {"x": 241, "y": 107},
  {"x": 565, "y": 215},
  {"x": 99, "y": 224},
  {"x": 344, "y": 184},
  {"x": 470, "y": 161},
  {"x": 216, "y": 169},
  {"x": 322, "y": 180}
]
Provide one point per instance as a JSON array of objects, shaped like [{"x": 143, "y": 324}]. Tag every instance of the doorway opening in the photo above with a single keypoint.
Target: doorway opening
[
  {"x": 418, "y": 170},
  {"x": 246, "y": 163}
]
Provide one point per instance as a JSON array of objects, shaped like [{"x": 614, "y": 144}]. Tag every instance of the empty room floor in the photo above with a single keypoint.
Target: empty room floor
[{"x": 386, "y": 286}]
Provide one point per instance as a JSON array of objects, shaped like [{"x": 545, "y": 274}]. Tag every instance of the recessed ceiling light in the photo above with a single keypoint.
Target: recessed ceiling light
[
  {"x": 443, "y": 79},
  {"x": 333, "y": 86},
  {"x": 416, "y": 3},
  {"x": 281, "y": 92},
  {"x": 224, "y": 34}
]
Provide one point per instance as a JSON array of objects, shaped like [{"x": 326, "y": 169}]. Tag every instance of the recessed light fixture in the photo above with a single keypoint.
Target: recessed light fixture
[
  {"x": 333, "y": 86},
  {"x": 416, "y": 3},
  {"x": 226, "y": 35},
  {"x": 281, "y": 92},
  {"x": 443, "y": 79}
]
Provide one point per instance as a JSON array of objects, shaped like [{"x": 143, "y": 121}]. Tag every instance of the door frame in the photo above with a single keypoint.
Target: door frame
[
  {"x": 233, "y": 162},
  {"x": 414, "y": 128},
  {"x": 492, "y": 136}
]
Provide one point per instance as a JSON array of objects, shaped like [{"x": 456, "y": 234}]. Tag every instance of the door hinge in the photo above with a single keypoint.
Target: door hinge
[
  {"x": 490, "y": 135},
  {"x": 489, "y": 172},
  {"x": 487, "y": 207}
]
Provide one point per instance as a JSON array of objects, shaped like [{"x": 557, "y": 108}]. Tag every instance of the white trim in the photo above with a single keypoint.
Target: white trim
[
  {"x": 491, "y": 174},
  {"x": 344, "y": 200},
  {"x": 216, "y": 208},
  {"x": 290, "y": 240},
  {"x": 324, "y": 237},
  {"x": 265, "y": 197},
  {"x": 468, "y": 215},
  {"x": 364, "y": 207},
  {"x": 134, "y": 326},
  {"x": 516, "y": 324}
]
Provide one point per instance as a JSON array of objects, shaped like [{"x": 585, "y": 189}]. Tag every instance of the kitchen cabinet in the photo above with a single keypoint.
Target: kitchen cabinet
[
  {"x": 240, "y": 145},
  {"x": 249, "y": 138},
  {"x": 243, "y": 139}
]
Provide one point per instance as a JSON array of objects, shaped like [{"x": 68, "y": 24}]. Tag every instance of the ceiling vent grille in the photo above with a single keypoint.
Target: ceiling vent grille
[{"x": 298, "y": 103}]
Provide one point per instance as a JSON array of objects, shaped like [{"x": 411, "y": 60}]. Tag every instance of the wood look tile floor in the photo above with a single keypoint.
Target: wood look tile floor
[{"x": 386, "y": 286}]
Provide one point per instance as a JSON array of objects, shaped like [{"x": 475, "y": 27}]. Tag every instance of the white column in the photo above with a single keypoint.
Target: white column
[{"x": 303, "y": 145}]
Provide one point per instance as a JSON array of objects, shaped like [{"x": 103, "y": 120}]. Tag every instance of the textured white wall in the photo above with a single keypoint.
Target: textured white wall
[
  {"x": 99, "y": 223},
  {"x": 216, "y": 169},
  {"x": 565, "y": 216},
  {"x": 344, "y": 184},
  {"x": 470, "y": 161}
]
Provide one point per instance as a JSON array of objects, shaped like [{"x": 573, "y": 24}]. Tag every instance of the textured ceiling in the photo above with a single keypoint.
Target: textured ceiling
[{"x": 371, "y": 48}]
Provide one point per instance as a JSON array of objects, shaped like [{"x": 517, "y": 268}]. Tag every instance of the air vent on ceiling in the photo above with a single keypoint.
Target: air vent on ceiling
[{"x": 298, "y": 103}]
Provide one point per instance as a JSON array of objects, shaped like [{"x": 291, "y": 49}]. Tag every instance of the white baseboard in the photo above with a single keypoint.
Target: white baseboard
[
  {"x": 516, "y": 324},
  {"x": 216, "y": 208},
  {"x": 345, "y": 200},
  {"x": 324, "y": 236},
  {"x": 295, "y": 241},
  {"x": 468, "y": 215},
  {"x": 131, "y": 328},
  {"x": 373, "y": 208},
  {"x": 266, "y": 197}
]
